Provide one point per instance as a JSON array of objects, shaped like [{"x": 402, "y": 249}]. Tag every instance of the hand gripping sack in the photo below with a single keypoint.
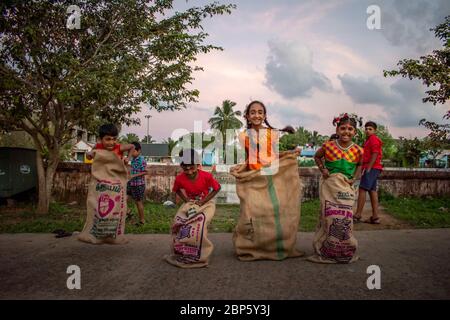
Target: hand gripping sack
[
  {"x": 269, "y": 211},
  {"x": 334, "y": 241},
  {"x": 106, "y": 201},
  {"x": 191, "y": 247}
]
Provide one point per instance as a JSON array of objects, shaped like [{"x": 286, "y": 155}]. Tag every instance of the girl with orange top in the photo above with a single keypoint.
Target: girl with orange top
[{"x": 260, "y": 142}]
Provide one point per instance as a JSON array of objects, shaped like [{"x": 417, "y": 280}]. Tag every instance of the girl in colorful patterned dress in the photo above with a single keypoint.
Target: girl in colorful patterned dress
[{"x": 340, "y": 162}]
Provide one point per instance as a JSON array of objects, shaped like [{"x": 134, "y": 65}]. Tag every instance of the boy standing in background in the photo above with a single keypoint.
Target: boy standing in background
[{"x": 371, "y": 170}]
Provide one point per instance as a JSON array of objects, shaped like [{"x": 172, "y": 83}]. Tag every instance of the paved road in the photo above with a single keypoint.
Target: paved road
[{"x": 415, "y": 264}]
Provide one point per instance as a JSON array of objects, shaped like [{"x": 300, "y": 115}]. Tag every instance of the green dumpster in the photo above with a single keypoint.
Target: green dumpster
[{"x": 17, "y": 171}]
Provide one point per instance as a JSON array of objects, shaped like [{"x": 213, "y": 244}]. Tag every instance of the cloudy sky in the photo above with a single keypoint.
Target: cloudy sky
[{"x": 310, "y": 60}]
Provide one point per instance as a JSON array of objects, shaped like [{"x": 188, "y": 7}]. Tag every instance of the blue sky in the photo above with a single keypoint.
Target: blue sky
[{"x": 309, "y": 61}]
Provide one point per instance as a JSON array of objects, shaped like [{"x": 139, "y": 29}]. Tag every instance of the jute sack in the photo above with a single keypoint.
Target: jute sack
[
  {"x": 106, "y": 201},
  {"x": 191, "y": 247},
  {"x": 269, "y": 211},
  {"x": 334, "y": 241}
]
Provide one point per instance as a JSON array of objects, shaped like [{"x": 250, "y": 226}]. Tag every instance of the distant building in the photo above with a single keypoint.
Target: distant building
[
  {"x": 82, "y": 142},
  {"x": 156, "y": 152},
  {"x": 442, "y": 160}
]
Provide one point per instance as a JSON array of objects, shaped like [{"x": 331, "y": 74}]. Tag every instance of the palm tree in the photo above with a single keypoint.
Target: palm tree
[
  {"x": 316, "y": 138},
  {"x": 172, "y": 143},
  {"x": 225, "y": 118},
  {"x": 148, "y": 139},
  {"x": 129, "y": 138}
]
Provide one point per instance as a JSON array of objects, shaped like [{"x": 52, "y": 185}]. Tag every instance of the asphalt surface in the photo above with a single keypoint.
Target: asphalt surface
[{"x": 414, "y": 264}]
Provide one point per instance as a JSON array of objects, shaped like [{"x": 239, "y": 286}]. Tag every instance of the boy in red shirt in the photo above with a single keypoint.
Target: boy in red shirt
[
  {"x": 108, "y": 141},
  {"x": 199, "y": 186},
  {"x": 371, "y": 170}
]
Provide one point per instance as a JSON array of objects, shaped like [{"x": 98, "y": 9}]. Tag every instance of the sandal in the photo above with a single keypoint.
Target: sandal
[
  {"x": 356, "y": 219},
  {"x": 373, "y": 220},
  {"x": 139, "y": 224},
  {"x": 62, "y": 233}
]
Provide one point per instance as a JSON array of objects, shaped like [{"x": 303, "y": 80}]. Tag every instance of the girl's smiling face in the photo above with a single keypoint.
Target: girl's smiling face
[
  {"x": 256, "y": 115},
  {"x": 346, "y": 132}
]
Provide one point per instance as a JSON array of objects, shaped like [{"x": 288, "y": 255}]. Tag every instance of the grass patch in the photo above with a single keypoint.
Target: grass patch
[
  {"x": 420, "y": 212},
  {"x": 309, "y": 215},
  {"x": 26, "y": 220},
  {"x": 158, "y": 218}
]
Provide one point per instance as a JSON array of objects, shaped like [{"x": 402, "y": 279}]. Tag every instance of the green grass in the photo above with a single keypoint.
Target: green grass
[
  {"x": 25, "y": 219},
  {"x": 158, "y": 219},
  {"x": 420, "y": 212},
  {"x": 309, "y": 215}
]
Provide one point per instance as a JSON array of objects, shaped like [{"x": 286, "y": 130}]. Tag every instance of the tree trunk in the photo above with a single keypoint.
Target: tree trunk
[
  {"x": 43, "y": 200},
  {"x": 45, "y": 178}
]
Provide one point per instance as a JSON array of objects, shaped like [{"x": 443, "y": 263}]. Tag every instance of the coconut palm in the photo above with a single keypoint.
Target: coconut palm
[
  {"x": 225, "y": 118},
  {"x": 172, "y": 143},
  {"x": 129, "y": 138}
]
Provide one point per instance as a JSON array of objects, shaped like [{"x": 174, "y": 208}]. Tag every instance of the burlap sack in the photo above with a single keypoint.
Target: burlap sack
[
  {"x": 106, "y": 201},
  {"x": 334, "y": 241},
  {"x": 191, "y": 247},
  {"x": 269, "y": 211}
]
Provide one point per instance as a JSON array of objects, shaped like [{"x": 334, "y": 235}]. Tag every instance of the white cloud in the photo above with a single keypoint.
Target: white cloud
[{"x": 290, "y": 72}]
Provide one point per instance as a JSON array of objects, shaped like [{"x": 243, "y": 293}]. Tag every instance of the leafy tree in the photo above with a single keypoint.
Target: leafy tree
[
  {"x": 300, "y": 138},
  {"x": 434, "y": 71},
  {"x": 127, "y": 53},
  {"x": 389, "y": 145},
  {"x": 16, "y": 139},
  {"x": 409, "y": 152}
]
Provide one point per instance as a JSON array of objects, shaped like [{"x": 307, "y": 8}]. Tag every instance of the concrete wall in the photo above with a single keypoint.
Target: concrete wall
[{"x": 71, "y": 182}]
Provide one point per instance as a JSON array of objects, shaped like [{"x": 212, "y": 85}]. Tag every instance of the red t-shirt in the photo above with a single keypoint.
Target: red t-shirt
[
  {"x": 116, "y": 149},
  {"x": 198, "y": 188},
  {"x": 373, "y": 144}
]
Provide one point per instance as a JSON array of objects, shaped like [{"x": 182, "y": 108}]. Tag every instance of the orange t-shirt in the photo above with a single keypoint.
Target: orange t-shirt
[{"x": 259, "y": 147}]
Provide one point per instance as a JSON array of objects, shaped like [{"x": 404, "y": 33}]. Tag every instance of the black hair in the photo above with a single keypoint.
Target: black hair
[
  {"x": 137, "y": 146},
  {"x": 108, "y": 130},
  {"x": 338, "y": 121},
  {"x": 189, "y": 157},
  {"x": 288, "y": 129},
  {"x": 371, "y": 124}
]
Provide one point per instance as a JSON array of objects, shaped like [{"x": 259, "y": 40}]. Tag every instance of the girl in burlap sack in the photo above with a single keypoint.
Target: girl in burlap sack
[
  {"x": 334, "y": 241},
  {"x": 191, "y": 247},
  {"x": 269, "y": 190}
]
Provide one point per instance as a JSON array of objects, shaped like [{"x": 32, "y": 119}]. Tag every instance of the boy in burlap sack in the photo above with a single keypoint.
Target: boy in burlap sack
[
  {"x": 191, "y": 247},
  {"x": 334, "y": 241},
  {"x": 106, "y": 201},
  {"x": 269, "y": 189}
]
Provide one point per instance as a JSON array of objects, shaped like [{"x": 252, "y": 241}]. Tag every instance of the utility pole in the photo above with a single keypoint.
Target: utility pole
[{"x": 148, "y": 120}]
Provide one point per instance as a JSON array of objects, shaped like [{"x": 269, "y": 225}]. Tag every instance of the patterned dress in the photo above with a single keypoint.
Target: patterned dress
[{"x": 342, "y": 160}]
